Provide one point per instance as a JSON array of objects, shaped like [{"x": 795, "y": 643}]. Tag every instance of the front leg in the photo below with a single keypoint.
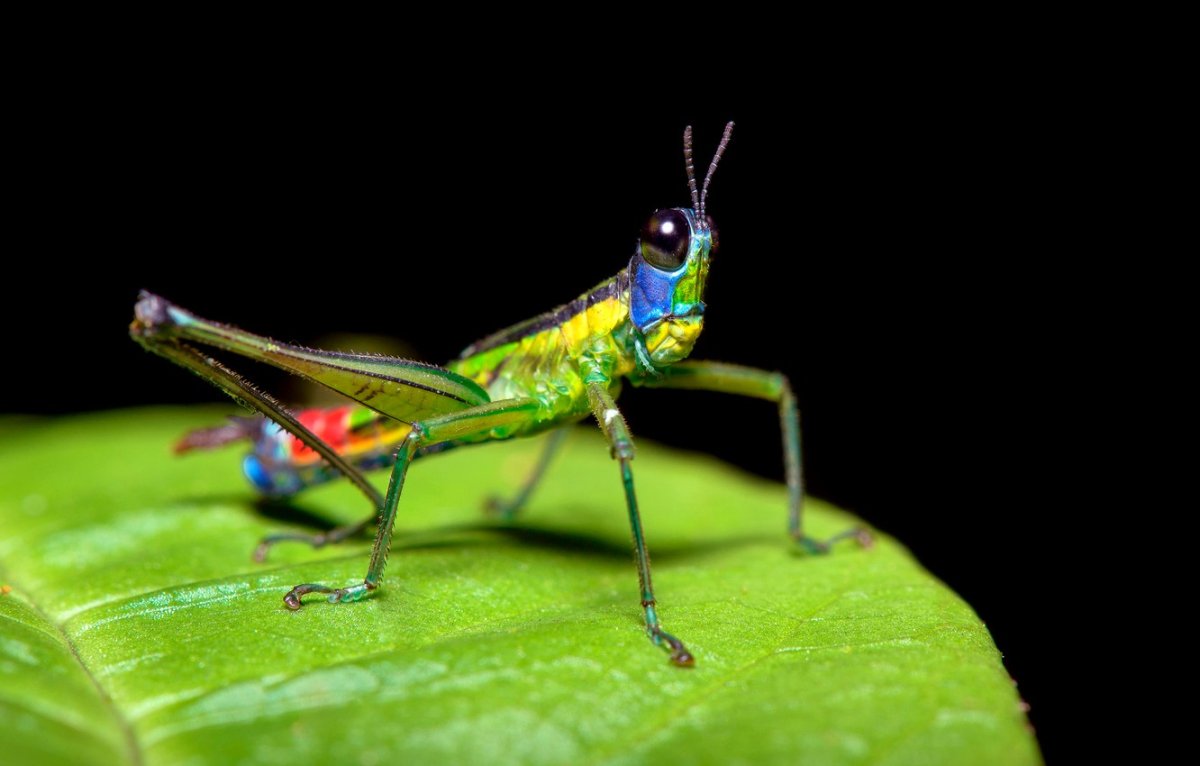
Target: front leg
[
  {"x": 772, "y": 386},
  {"x": 613, "y": 425}
]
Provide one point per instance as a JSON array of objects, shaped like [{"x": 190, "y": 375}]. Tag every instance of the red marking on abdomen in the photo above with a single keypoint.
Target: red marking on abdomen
[{"x": 331, "y": 426}]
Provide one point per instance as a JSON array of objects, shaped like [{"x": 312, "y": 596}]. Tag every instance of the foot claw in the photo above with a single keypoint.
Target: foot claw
[
  {"x": 292, "y": 599},
  {"x": 680, "y": 656},
  {"x": 814, "y": 546}
]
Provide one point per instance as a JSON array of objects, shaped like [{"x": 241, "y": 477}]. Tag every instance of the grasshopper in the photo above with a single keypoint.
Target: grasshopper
[{"x": 534, "y": 377}]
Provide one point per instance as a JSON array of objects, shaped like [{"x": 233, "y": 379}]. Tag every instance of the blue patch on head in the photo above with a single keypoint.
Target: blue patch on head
[{"x": 652, "y": 293}]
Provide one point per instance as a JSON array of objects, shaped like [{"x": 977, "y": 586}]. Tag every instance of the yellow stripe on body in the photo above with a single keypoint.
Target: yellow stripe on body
[{"x": 545, "y": 364}]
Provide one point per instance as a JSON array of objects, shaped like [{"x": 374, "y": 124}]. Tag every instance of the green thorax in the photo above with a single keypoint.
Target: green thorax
[{"x": 641, "y": 320}]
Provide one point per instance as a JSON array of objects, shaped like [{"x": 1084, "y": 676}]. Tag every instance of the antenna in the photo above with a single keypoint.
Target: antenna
[
  {"x": 691, "y": 171},
  {"x": 712, "y": 167}
]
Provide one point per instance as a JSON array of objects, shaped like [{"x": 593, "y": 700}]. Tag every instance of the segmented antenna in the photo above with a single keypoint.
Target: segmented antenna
[
  {"x": 691, "y": 171},
  {"x": 712, "y": 166}
]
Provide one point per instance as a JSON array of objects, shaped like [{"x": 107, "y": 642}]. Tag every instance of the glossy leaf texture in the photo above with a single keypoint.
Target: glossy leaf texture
[{"x": 138, "y": 630}]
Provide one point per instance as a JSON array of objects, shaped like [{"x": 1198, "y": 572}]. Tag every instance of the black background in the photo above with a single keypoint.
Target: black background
[{"x": 887, "y": 239}]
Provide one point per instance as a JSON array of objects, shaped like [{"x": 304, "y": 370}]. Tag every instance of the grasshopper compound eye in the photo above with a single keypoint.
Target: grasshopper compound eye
[{"x": 665, "y": 239}]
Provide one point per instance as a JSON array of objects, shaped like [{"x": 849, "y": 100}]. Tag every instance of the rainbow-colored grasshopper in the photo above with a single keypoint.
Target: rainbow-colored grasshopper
[{"x": 537, "y": 376}]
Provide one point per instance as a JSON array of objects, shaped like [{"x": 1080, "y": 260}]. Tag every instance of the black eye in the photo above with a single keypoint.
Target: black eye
[{"x": 665, "y": 239}]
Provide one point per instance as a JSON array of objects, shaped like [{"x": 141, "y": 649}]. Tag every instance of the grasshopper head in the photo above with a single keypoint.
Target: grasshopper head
[
  {"x": 668, "y": 273},
  {"x": 667, "y": 283}
]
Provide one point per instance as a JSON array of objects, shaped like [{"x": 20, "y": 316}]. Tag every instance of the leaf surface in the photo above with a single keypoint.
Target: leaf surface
[{"x": 137, "y": 629}]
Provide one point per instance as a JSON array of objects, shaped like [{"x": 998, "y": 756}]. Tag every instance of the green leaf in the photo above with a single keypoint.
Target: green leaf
[{"x": 138, "y": 630}]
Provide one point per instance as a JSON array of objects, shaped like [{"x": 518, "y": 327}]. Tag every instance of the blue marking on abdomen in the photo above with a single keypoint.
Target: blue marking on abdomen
[{"x": 273, "y": 483}]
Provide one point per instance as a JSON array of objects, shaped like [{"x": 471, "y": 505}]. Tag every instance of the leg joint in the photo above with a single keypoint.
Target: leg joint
[
  {"x": 414, "y": 440},
  {"x": 781, "y": 384}
]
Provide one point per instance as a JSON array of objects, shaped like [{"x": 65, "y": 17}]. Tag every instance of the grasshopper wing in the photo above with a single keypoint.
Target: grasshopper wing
[{"x": 401, "y": 389}]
